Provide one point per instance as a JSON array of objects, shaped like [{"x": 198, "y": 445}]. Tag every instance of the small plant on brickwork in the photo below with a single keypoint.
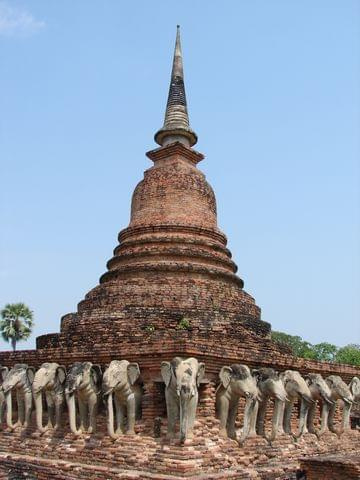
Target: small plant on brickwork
[
  {"x": 150, "y": 328},
  {"x": 184, "y": 324}
]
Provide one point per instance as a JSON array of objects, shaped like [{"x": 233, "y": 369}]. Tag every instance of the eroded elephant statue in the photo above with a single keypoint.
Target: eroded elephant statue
[
  {"x": 49, "y": 382},
  {"x": 296, "y": 389},
  {"x": 120, "y": 387},
  {"x": 19, "y": 380},
  {"x": 321, "y": 394},
  {"x": 354, "y": 386},
  {"x": 182, "y": 378},
  {"x": 83, "y": 383},
  {"x": 271, "y": 387},
  {"x": 237, "y": 381},
  {"x": 3, "y": 372},
  {"x": 339, "y": 391}
]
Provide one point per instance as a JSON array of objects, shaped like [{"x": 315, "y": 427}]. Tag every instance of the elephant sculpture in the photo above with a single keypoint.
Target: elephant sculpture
[
  {"x": 296, "y": 389},
  {"x": 83, "y": 383},
  {"x": 119, "y": 387},
  {"x": 19, "y": 379},
  {"x": 320, "y": 393},
  {"x": 182, "y": 378},
  {"x": 237, "y": 381},
  {"x": 3, "y": 372},
  {"x": 50, "y": 381},
  {"x": 339, "y": 391},
  {"x": 354, "y": 386},
  {"x": 271, "y": 387}
]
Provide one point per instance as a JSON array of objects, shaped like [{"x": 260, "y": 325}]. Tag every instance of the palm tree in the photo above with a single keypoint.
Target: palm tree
[{"x": 16, "y": 323}]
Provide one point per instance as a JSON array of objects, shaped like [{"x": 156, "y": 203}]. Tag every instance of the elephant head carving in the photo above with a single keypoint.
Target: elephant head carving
[
  {"x": 120, "y": 387},
  {"x": 320, "y": 392},
  {"x": 19, "y": 379},
  {"x": 354, "y": 387},
  {"x": 237, "y": 381},
  {"x": 339, "y": 391},
  {"x": 83, "y": 383},
  {"x": 49, "y": 381},
  {"x": 296, "y": 388},
  {"x": 270, "y": 386},
  {"x": 182, "y": 378}
]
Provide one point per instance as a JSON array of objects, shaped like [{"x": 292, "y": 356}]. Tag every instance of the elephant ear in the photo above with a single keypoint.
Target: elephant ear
[
  {"x": 355, "y": 386},
  {"x": 329, "y": 381},
  {"x": 284, "y": 377},
  {"x": 133, "y": 372},
  {"x": 225, "y": 376},
  {"x": 30, "y": 374},
  {"x": 3, "y": 372},
  {"x": 61, "y": 374},
  {"x": 166, "y": 372},
  {"x": 307, "y": 379},
  {"x": 256, "y": 374},
  {"x": 96, "y": 375},
  {"x": 200, "y": 373}
]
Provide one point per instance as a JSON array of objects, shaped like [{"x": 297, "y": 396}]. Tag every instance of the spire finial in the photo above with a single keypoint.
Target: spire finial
[{"x": 176, "y": 124}]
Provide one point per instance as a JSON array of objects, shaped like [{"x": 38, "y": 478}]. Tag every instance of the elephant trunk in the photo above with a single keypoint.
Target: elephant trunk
[
  {"x": 345, "y": 424},
  {"x": 8, "y": 400},
  {"x": 72, "y": 414},
  {"x": 324, "y": 419},
  {"x": 304, "y": 410},
  {"x": 184, "y": 415},
  {"x": 249, "y": 407},
  {"x": 275, "y": 420},
  {"x": 110, "y": 420},
  {"x": 39, "y": 412}
]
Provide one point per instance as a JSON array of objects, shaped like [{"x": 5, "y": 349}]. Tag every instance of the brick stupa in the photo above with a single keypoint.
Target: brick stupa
[
  {"x": 170, "y": 289},
  {"x": 171, "y": 270}
]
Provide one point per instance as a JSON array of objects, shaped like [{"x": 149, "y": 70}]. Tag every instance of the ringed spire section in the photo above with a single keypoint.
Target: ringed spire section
[{"x": 176, "y": 124}]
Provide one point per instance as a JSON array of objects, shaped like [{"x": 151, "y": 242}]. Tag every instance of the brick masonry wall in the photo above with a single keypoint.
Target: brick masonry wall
[
  {"x": 334, "y": 467},
  {"x": 143, "y": 456}
]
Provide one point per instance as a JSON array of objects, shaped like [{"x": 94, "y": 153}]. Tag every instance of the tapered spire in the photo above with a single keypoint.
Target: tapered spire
[{"x": 176, "y": 124}]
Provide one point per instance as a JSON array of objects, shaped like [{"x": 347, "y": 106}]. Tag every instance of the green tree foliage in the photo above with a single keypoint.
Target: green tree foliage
[
  {"x": 324, "y": 352},
  {"x": 349, "y": 354},
  {"x": 16, "y": 323},
  {"x": 298, "y": 346}
]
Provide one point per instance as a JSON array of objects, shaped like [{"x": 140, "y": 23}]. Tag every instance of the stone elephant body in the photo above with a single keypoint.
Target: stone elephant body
[
  {"x": 3, "y": 372},
  {"x": 119, "y": 387},
  {"x": 182, "y": 378},
  {"x": 49, "y": 381},
  {"x": 19, "y": 379},
  {"x": 320, "y": 393},
  {"x": 354, "y": 387},
  {"x": 296, "y": 389},
  {"x": 83, "y": 383},
  {"x": 236, "y": 381},
  {"x": 339, "y": 391},
  {"x": 271, "y": 387}
]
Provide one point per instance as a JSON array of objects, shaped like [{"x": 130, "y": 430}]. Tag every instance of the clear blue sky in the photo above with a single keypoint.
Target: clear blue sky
[{"x": 273, "y": 93}]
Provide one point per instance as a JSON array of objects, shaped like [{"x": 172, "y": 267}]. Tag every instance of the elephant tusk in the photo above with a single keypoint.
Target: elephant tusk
[{"x": 308, "y": 399}]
